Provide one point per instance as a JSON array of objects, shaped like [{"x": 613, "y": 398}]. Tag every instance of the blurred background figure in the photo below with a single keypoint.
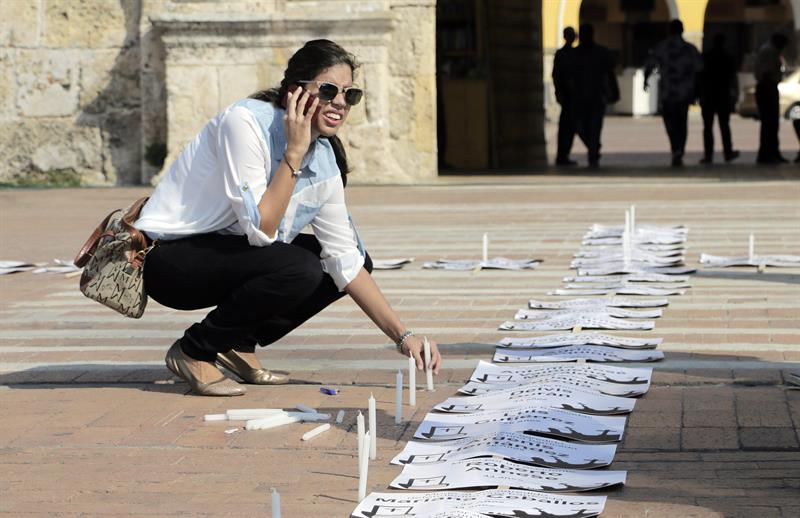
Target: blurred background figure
[
  {"x": 678, "y": 63},
  {"x": 595, "y": 87},
  {"x": 768, "y": 71},
  {"x": 563, "y": 81},
  {"x": 719, "y": 90}
]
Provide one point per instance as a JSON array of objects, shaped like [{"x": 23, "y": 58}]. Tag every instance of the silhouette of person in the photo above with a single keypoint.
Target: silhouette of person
[
  {"x": 768, "y": 71},
  {"x": 595, "y": 86},
  {"x": 563, "y": 82},
  {"x": 678, "y": 63},
  {"x": 719, "y": 89}
]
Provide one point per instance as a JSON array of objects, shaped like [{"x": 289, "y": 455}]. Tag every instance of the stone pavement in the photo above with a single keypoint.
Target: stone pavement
[{"x": 94, "y": 425}]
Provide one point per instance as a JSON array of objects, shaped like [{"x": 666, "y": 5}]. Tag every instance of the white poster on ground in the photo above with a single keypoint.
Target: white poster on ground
[
  {"x": 473, "y": 473},
  {"x": 602, "y": 302},
  {"x": 540, "y": 314},
  {"x": 520, "y": 447},
  {"x": 591, "y": 353},
  {"x": 550, "y": 422},
  {"x": 489, "y": 373},
  {"x": 498, "y": 503},
  {"x": 570, "y": 321},
  {"x": 623, "y": 290},
  {"x": 583, "y": 338},
  {"x": 475, "y": 388},
  {"x": 391, "y": 264},
  {"x": 637, "y": 259},
  {"x": 626, "y": 277},
  {"x": 497, "y": 263},
  {"x": 757, "y": 260},
  {"x": 548, "y": 394},
  {"x": 618, "y": 268}
]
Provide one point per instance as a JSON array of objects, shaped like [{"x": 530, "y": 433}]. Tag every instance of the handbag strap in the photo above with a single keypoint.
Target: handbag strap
[
  {"x": 138, "y": 240},
  {"x": 87, "y": 250}
]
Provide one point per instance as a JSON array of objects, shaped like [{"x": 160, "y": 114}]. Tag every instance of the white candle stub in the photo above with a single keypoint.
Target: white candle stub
[
  {"x": 373, "y": 425},
  {"x": 485, "y": 247},
  {"x": 340, "y": 417},
  {"x": 751, "y": 249},
  {"x": 276, "y": 503},
  {"x": 363, "y": 468},
  {"x": 303, "y": 408},
  {"x": 316, "y": 431},
  {"x": 412, "y": 381},
  {"x": 427, "y": 355}
]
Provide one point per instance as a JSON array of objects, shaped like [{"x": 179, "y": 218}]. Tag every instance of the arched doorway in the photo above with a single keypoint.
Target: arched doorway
[{"x": 489, "y": 85}]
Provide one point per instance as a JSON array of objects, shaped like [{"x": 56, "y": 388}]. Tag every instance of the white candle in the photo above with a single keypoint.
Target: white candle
[
  {"x": 276, "y": 503},
  {"x": 398, "y": 398},
  {"x": 243, "y": 414},
  {"x": 215, "y": 417},
  {"x": 373, "y": 425},
  {"x": 363, "y": 469},
  {"x": 485, "y": 247},
  {"x": 340, "y": 417},
  {"x": 428, "y": 372},
  {"x": 751, "y": 251},
  {"x": 270, "y": 422},
  {"x": 412, "y": 381},
  {"x": 301, "y": 407},
  {"x": 307, "y": 416},
  {"x": 633, "y": 219},
  {"x": 316, "y": 431}
]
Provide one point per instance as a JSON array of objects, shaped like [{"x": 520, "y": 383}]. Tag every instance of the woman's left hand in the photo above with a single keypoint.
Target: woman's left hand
[{"x": 414, "y": 345}]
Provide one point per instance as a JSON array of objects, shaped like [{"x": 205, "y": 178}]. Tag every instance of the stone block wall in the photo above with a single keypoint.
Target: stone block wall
[
  {"x": 70, "y": 90},
  {"x": 105, "y": 90}
]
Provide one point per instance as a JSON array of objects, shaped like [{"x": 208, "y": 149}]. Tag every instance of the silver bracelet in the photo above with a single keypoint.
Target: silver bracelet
[{"x": 402, "y": 340}]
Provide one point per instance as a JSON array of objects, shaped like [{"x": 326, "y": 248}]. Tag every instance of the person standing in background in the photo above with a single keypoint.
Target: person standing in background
[
  {"x": 768, "y": 71},
  {"x": 719, "y": 89},
  {"x": 595, "y": 88},
  {"x": 563, "y": 82},
  {"x": 678, "y": 63}
]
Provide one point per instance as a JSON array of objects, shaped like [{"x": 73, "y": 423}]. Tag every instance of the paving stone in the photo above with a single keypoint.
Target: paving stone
[{"x": 715, "y": 436}]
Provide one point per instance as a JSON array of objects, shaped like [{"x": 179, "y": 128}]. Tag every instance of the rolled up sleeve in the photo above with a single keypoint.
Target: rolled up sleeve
[
  {"x": 340, "y": 257},
  {"x": 243, "y": 157}
]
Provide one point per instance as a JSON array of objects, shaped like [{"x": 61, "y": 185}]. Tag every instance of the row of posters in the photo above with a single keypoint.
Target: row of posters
[{"x": 550, "y": 426}]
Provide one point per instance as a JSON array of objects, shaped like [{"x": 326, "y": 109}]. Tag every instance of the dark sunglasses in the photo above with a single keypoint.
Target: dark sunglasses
[{"x": 327, "y": 92}]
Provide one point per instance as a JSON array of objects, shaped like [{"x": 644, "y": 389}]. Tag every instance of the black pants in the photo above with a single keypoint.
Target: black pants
[
  {"x": 260, "y": 293},
  {"x": 769, "y": 112},
  {"x": 676, "y": 115},
  {"x": 589, "y": 117},
  {"x": 566, "y": 131},
  {"x": 723, "y": 112}
]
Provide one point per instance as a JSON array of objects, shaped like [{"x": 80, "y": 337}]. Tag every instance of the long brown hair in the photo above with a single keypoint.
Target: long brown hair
[{"x": 308, "y": 62}]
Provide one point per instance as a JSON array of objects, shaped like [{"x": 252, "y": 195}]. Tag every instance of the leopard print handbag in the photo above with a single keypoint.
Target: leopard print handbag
[{"x": 113, "y": 262}]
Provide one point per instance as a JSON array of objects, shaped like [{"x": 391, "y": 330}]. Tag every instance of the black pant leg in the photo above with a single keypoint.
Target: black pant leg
[
  {"x": 566, "y": 131},
  {"x": 708, "y": 130},
  {"x": 769, "y": 112},
  {"x": 248, "y": 284},
  {"x": 683, "y": 126},
  {"x": 724, "y": 118},
  {"x": 326, "y": 293}
]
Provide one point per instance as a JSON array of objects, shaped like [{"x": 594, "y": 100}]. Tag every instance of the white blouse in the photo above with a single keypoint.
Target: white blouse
[{"x": 216, "y": 183}]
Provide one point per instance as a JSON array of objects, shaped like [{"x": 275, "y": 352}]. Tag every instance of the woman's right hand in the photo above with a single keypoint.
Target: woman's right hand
[{"x": 297, "y": 124}]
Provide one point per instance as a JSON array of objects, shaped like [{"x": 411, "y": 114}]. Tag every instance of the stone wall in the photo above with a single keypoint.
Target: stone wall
[
  {"x": 105, "y": 90},
  {"x": 70, "y": 90}
]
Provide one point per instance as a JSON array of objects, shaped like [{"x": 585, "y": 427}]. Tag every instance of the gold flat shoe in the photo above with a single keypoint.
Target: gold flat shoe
[
  {"x": 176, "y": 361},
  {"x": 232, "y": 361}
]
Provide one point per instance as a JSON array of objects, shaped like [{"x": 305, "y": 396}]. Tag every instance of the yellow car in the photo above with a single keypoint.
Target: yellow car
[{"x": 789, "y": 98}]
